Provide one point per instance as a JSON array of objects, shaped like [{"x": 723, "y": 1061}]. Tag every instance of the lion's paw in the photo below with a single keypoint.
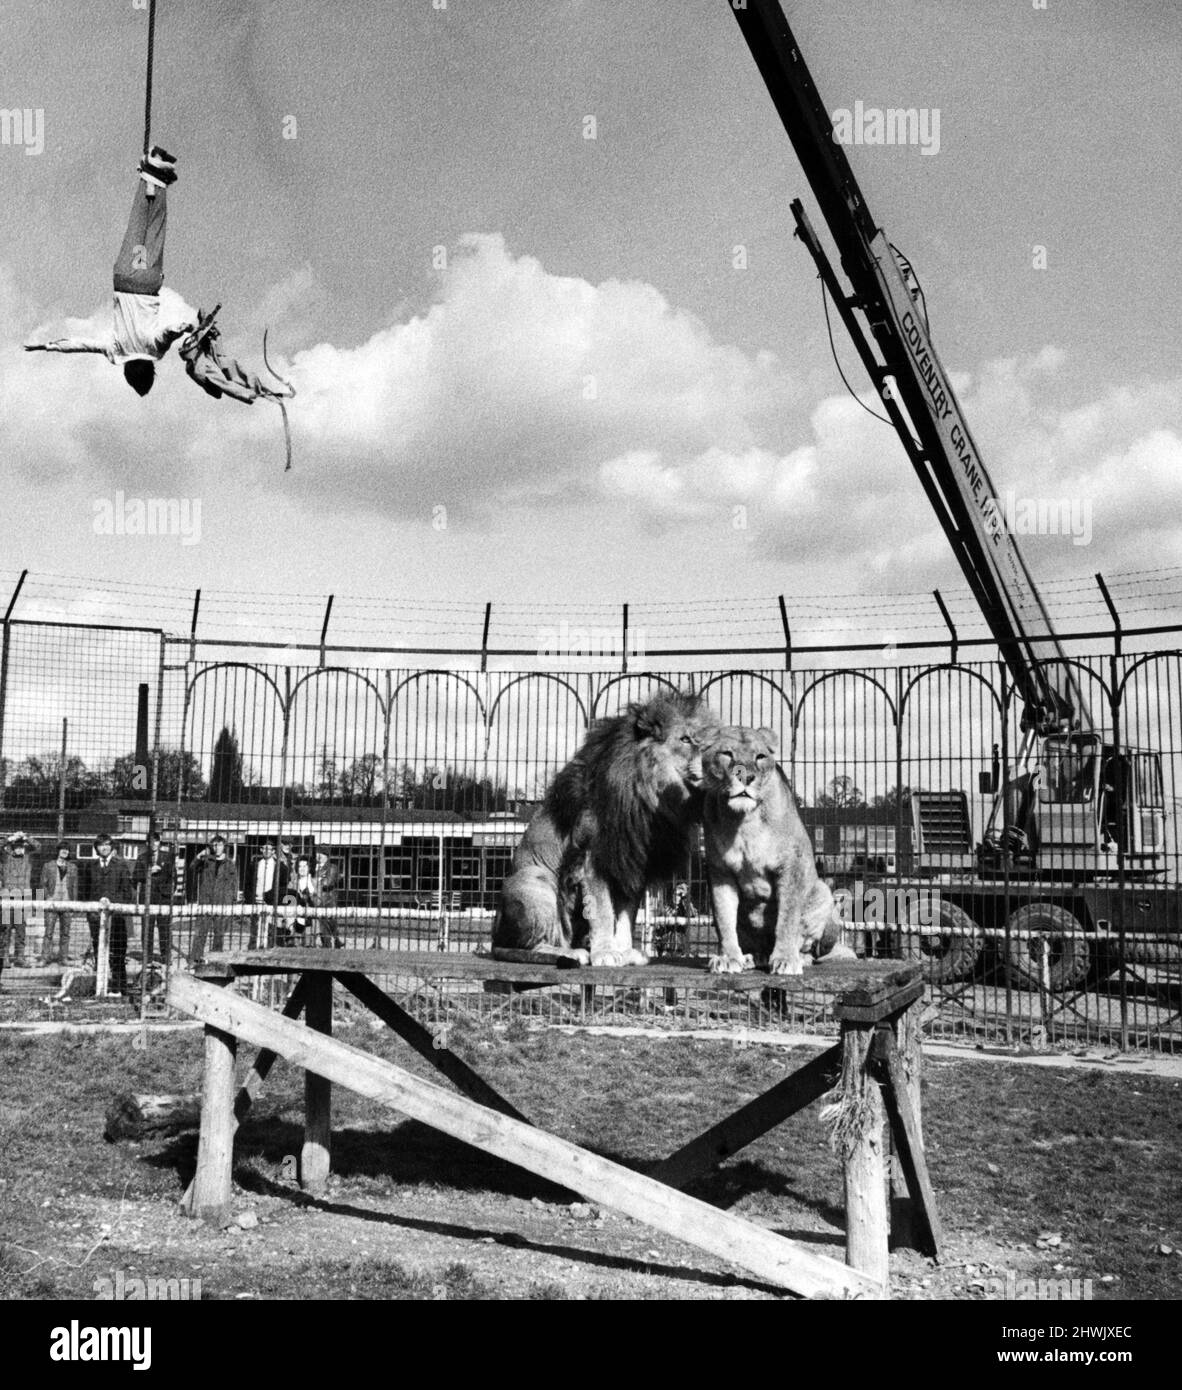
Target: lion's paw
[
  {"x": 730, "y": 965},
  {"x": 604, "y": 958},
  {"x": 577, "y": 953},
  {"x": 786, "y": 965},
  {"x": 635, "y": 957}
]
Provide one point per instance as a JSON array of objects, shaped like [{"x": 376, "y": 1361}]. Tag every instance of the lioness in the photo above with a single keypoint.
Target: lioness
[
  {"x": 769, "y": 903},
  {"x": 617, "y": 818}
]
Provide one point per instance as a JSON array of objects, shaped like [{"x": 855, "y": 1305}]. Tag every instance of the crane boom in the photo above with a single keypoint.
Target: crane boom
[{"x": 892, "y": 339}]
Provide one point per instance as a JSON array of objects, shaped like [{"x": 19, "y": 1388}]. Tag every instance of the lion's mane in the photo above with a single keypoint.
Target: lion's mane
[{"x": 615, "y": 811}]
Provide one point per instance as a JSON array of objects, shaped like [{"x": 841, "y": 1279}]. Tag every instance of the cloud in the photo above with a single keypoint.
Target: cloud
[
  {"x": 512, "y": 384},
  {"x": 512, "y": 388},
  {"x": 848, "y": 489}
]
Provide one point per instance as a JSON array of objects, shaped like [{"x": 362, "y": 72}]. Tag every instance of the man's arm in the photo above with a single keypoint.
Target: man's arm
[
  {"x": 67, "y": 345},
  {"x": 168, "y": 336}
]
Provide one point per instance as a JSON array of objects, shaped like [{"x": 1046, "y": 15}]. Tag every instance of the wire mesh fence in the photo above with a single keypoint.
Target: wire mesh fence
[{"x": 303, "y": 797}]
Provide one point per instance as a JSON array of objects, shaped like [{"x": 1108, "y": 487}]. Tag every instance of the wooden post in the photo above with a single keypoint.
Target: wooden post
[
  {"x": 861, "y": 1141},
  {"x": 102, "y": 961},
  {"x": 253, "y": 1085},
  {"x": 908, "y": 1037},
  {"x": 215, "y": 1146},
  {"x": 316, "y": 1154}
]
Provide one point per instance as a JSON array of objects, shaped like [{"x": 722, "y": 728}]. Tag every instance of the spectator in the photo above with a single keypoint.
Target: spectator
[
  {"x": 302, "y": 896},
  {"x": 59, "y": 883},
  {"x": 215, "y": 882},
  {"x": 672, "y": 938},
  {"x": 267, "y": 884},
  {"x": 326, "y": 879},
  {"x": 16, "y": 878},
  {"x": 155, "y": 879},
  {"x": 110, "y": 882}
]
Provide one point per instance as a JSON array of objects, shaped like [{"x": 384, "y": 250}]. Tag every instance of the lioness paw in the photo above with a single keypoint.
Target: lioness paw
[
  {"x": 577, "y": 953},
  {"x": 729, "y": 965},
  {"x": 602, "y": 958},
  {"x": 786, "y": 965}
]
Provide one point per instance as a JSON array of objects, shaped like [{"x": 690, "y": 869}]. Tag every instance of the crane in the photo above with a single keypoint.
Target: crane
[{"x": 1077, "y": 808}]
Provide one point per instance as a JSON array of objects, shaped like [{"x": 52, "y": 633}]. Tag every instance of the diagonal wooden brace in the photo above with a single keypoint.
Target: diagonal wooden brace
[
  {"x": 755, "y": 1118},
  {"x": 908, "y": 1145}
]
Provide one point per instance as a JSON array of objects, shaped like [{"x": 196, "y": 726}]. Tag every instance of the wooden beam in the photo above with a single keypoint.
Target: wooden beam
[
  {"x": 215, "y": 1144},
  {"x": 909, "y": 1146},
  {"x": 316, "y": 1153},
  {"x": 761, "y": 1252},
  {"x": 253, "y": 1085},
  {"x": 861, "y": 1135},
  {"x": 905, "y": 1228},
  {"x": 776, "y": 1105},
  {"x": 427, "y": 1044}
]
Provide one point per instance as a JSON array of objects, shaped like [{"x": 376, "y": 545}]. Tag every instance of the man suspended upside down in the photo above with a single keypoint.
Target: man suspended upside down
[{"x": 137, "y": 340}]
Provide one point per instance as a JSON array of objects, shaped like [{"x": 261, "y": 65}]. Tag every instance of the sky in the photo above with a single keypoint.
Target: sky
[{"x": 536, "y": 367}]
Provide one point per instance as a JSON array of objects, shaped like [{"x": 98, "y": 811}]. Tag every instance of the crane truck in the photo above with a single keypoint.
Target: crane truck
[{"x": 1067, "y": 875}]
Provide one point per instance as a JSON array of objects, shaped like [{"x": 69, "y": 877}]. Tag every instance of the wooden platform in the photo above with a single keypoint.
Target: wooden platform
[
  {"x": 875, "y": 1065},
  {"x": 862, "y": 982}
]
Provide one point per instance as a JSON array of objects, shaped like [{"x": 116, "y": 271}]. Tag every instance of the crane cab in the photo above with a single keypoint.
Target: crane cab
[{"x": 1088, "y": 801}]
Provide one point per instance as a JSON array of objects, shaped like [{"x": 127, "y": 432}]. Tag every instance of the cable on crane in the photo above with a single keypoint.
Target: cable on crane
[{"x": 833, "y": 349}]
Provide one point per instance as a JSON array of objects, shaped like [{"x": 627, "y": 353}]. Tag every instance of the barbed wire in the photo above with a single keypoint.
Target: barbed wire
[{"x": 267, "y": 616}]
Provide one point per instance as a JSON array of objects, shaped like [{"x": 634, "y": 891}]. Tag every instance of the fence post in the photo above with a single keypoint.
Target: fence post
[
  {"x": 6, "y": 637},
  {"x": 955, "y": 643},
  {"x": 484, "y": 636},
  {"x": 625, "y": 642},
  {"x": 787, "y": 634},
  {"x": 102, "y": 964},
  {"x": 1117, "y": 630},
  {"x": 193, "y": 626},
  {"x": 61, "y": 782},
  {"x": 324, "y": 628}
]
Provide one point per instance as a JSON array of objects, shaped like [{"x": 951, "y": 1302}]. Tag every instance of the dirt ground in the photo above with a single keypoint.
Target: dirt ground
[{"x": 1052, "y": 1176}]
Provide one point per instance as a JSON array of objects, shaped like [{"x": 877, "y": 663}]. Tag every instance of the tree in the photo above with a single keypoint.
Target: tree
[
  {"x": 842, "y": 795},
  {"x": 177, "y": 772},
  {"x": 326, "y": 776},
  {"x": 225, "y": 782},
  {"x": 363, "y": 778},
  {"x": 890, "y": 802},
  {"x": 35, "y": 781}
]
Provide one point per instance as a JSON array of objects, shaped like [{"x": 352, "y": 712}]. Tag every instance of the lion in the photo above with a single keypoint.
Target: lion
[
  {"x": 617, "y": 818},
  {"x": 769, "y": 904}
]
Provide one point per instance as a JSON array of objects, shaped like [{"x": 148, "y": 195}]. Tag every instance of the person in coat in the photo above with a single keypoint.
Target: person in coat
[
  {"x": 110, "y": 883},
  {"x": 59, "y": 883}
]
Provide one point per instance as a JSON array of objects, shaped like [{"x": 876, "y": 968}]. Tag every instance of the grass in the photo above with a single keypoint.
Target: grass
[{"x": 1015, "y": 1154}]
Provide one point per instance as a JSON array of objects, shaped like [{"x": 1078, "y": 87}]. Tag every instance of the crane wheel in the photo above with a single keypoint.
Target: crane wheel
[
  {"x": 950, "y": 947},
  {"x": 1047, "y": 927}
]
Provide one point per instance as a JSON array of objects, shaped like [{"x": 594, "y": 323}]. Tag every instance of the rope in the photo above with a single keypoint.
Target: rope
[
  {"x": 148, "y": 85},
  {"x": 279, "y": 402}
]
